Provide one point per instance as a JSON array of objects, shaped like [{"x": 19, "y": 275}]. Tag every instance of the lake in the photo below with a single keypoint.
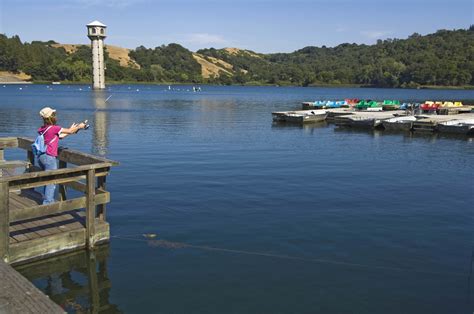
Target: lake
[{"x": 253, "y": 217}]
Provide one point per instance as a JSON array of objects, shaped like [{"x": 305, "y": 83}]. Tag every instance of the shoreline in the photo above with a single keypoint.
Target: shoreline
[
  {"x": 430, "y": 87},
  {"x": 16, "y": 83}
]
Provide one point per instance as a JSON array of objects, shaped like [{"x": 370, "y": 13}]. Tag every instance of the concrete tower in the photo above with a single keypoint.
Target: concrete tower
[{"x": 96, "y": 33}]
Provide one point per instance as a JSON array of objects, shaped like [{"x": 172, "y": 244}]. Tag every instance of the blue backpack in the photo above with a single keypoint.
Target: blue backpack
[{"x": 39, "y": 147}]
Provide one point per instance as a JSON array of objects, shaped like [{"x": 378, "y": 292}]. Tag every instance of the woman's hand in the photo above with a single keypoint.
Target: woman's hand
[{"x": 75, "y": 127}]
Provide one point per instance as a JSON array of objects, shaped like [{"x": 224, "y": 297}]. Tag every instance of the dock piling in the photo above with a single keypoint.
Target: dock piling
[
  {"x": 90, "y": 209},
  {"x": 4, "y": 222}
]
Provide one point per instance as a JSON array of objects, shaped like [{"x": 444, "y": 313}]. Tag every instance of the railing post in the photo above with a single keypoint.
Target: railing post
[
  {"x": 61, "y": 187},
  {"x": 1, "y": 159},
  {"x": 101, "y": 209},
  {"x": 90, "y": 208},
  {"x": 31, "y": 157},
  {"x": 4, "y": 222}
]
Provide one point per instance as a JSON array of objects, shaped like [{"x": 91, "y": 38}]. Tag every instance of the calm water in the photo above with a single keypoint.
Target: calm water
[{"x": 257, "y": 218}]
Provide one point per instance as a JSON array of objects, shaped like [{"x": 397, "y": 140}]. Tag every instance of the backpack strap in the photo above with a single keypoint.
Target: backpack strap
[{"x": 47, "y": 129}]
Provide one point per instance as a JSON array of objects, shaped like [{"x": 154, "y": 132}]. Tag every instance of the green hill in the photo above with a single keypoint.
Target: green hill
[{"x": 445, "y": 58}]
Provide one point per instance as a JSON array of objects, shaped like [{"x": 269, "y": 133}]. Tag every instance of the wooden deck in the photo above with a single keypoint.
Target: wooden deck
[
  {"x": 19, "y": 296},
  {"x": 30, "y": 230}
]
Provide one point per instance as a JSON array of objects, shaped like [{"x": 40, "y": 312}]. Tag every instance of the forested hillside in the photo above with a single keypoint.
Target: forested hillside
[{"x": 445, "y": 58}]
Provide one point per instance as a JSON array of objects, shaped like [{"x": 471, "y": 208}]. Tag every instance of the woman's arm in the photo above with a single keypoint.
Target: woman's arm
[{"x": 71, "y": 130}]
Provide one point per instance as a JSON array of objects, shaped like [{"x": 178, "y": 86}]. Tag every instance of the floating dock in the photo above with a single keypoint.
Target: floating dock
[
  {"x": 30, "y": 230},
  {"x": 365, "y": 119},
  {"x": 300, "y": 116},
  {"x": 348, "y": 117}
]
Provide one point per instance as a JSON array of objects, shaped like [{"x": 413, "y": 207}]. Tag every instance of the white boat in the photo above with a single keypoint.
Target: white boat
[
  {"x": 461, "y": 126},
  {"x": 404, "y": 123},
  {"x": 375, "y": 109},
  {"x": 56, "y": 83},
  {"x": 301, "y": 116}
]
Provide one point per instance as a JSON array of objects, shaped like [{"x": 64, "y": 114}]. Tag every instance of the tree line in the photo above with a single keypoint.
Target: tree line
[{"x": 444, "y": 58}]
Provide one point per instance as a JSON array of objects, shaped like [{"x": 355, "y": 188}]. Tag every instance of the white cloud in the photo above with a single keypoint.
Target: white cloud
[
  {"x": 205, "y": 39},
  {"x": 375, "y": 34}
]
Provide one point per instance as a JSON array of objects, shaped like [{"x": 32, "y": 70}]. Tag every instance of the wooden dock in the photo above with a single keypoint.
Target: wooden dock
[
  {"x": 31, "y": 231},
  {"x": 19, "y": 296}
]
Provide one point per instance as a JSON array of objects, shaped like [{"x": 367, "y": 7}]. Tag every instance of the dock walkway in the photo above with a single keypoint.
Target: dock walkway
[{"x": 19, "y": 296}]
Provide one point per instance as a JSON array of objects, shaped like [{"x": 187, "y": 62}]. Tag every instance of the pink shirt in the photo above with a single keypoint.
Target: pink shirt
[{"x": 51, "y": 138}]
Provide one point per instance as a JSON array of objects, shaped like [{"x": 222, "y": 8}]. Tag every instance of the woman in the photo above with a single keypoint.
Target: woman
[{"x": 52, "y": 133}]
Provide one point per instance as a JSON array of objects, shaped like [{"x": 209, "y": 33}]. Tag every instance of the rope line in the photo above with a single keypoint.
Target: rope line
[{"x": 178, "y": 245}]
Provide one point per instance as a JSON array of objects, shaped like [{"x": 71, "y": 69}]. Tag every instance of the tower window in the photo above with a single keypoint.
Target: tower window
[
  {"x": 92, "y": 30},
  {"x": 102, "y": 31}
]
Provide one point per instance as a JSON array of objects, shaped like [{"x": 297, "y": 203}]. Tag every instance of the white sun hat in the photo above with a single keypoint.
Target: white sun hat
[{"x": 46, "y": 112}]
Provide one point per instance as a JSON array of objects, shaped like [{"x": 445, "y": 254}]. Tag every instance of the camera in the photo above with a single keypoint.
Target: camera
[{"x": 87, "y": 125}]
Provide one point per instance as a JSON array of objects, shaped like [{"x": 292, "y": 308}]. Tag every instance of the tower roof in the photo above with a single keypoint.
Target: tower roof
[{"x": 96, "y": 23}]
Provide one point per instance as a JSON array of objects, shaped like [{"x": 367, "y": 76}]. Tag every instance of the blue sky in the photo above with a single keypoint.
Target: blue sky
[{"x": 260, "y": 25}]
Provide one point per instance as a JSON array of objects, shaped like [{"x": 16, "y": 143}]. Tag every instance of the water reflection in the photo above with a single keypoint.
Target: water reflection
[
  {"x": 308, "y": 128},
  {"x": 78, "y": 281},
  {"x": 370, "y": 131},
  {"x": 100, "y": 124},
  {"x": 431, "y": 137}
]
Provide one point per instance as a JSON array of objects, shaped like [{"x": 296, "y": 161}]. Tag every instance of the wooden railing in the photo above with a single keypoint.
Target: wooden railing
[{"x": 92, "y": 169}]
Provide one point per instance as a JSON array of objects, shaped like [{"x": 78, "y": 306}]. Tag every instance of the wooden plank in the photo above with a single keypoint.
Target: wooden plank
[
  {"x": 30, "y": 157},
  {"x": 46, "y": 246},
  {"x": 4, "y": 222},
  {"x": 101, "y": 208},
  {"x": 26, "y": 199},
  {"x": 30, "y": 212},
  {"x": 80, "y": 158},
  {"x": 69, "y": 155},
  {"x": 9, "y": 142},
  {"x": 54, "y": 244},
  {"x": 51, "y": 176},
  {"x": 30, "y": 183},
  {"x": 29, "y": 230},
  {"x": 76, "y": 185},
  {"x": 32, "y": 195},
  {"x": 20, "y": 237},
  {"x": 51, "y": 225},
  {"x": 14, "y": 204},
  {"x": 18, "y": 295},
  {"x": 13, "y": 164},
  {"x": 90, "y": 208},
  {"x": 62, "y": 188},
  {"x": 23, "y": 232}
]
